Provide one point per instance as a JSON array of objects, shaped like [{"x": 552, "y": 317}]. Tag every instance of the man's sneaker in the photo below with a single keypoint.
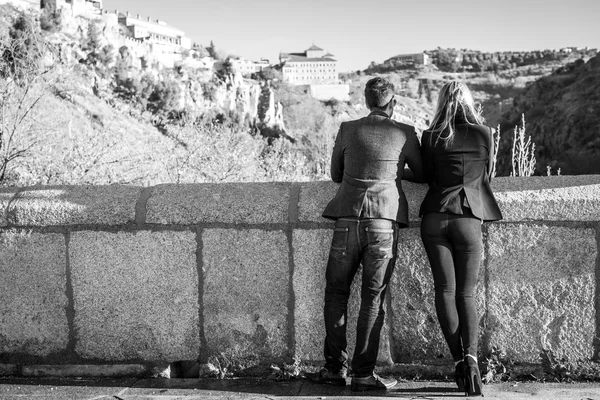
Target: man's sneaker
[
  {"x": 373, "y": 382},
  {"x": 325, "y": 376}
]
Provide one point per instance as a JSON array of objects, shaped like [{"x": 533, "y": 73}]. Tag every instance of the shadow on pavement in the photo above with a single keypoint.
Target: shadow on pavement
[{"x": 231, "y": 387}]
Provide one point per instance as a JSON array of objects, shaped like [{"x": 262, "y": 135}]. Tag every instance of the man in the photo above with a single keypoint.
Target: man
[{"x": 368, "y": 160}]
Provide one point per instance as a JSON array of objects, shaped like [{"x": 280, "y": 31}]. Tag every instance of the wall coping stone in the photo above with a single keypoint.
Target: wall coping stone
[
  {"x": 553, "y": 198},
  {"x": 74, "y": 205},
  {"x": 236, "y": 203}
]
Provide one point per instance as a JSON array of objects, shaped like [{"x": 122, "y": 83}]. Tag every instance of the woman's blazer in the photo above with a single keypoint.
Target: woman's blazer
[{"x": 464, "y": 166}]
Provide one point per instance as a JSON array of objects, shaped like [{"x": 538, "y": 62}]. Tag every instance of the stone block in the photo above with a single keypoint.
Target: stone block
[
  {"x": 136, "y": 295},
  {"x": 416, "y": 333},
  {"x": 84, "y": 371},
  {"x": 541, "y": 290},
  {"x": 549, "y": 198},
  {"x": 33, "y": 297},
  {"x": 233, "y": 203},
  {"x": 246, "y": 295},
  {"x": 9, "y": 369},
  {"x": 314, "y": 196},
  {"x": 6, "y": 195},
  {"x": 74, "y": 205},
  {"x": 311, "y": 250}
]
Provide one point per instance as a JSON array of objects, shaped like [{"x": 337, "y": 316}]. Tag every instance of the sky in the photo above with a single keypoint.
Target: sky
[{"x": 358, "y": 32}]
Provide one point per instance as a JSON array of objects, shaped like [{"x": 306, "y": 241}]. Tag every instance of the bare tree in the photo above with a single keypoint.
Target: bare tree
[{"x": 26, "y": 77}]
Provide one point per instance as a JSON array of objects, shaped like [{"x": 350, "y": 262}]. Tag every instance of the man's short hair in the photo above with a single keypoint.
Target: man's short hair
[{"x": 378, "y": 92}]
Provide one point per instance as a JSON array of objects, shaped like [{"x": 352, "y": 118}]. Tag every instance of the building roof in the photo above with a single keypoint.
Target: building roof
[
  {"x": 294, "y": 58},
  {"x": 314, "y": 48},
  {"x": 329, "y": 55}
]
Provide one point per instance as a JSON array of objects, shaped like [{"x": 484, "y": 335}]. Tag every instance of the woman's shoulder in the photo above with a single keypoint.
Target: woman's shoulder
[{"x": 478, "y": 127}]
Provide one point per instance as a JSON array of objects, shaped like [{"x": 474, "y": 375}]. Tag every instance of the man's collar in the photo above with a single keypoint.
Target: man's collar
[{"x": 379, "y": 113}]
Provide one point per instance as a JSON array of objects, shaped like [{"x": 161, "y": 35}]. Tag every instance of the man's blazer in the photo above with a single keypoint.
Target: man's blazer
[
  {"x": 463, "y": 169},
  {"x": 368, "y": 160}
]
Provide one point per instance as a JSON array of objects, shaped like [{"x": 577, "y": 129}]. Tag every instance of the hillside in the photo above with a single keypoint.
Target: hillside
[
  {"x": 101, "y": 110},
  {"x": 81, "y": 107},
  {"x": 562, "y": 113}
]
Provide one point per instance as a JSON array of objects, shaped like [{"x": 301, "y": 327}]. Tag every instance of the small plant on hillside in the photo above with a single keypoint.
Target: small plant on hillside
[
  {"x": 50, "y": 19},
  {"x": 165, "y": 98},
  {"x": 100, "y": 56},
  {"x": 496, "y": 138},
  {"x": 523, "y": 152},
  {"x": 549, "y": 171}
]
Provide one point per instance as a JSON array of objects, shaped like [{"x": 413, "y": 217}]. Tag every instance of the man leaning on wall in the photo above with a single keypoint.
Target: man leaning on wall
[{"x": 368, "y": 160}]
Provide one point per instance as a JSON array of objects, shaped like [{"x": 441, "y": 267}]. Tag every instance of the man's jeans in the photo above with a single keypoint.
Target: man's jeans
[{"x": 373, "y": 243}]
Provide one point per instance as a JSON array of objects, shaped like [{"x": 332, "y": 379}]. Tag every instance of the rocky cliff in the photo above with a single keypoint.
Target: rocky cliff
[{"x": 562, "y": 114}]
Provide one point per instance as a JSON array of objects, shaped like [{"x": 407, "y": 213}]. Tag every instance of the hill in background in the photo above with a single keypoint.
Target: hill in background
[{"x": 100, "y": 118}]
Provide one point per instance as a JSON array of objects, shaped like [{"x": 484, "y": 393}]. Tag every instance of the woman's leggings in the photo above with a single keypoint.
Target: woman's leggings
[{"x": 454, "y": 246}]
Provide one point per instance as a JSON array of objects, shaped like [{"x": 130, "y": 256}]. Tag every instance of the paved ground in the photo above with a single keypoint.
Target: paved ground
[{"x": 247, "y": 389}]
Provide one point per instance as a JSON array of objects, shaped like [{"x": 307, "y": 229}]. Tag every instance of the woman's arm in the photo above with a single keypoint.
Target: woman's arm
[{"x": 427, "y": 157}]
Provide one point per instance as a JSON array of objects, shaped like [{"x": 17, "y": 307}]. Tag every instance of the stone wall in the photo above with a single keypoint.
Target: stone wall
[{"x": 122, "y": 274}]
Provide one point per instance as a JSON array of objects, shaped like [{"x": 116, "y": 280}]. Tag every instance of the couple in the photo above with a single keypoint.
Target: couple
[{"x": 455, "y": 159}]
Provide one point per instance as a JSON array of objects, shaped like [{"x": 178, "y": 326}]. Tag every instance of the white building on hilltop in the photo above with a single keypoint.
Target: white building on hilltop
[
  {"x": 155, "y": 31},
  {"x": 313, "y": 66}
]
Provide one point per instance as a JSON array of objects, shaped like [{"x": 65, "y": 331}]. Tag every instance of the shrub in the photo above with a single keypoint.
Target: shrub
[
  {"x": 165, "y": 97},
  {"x": 523, "y": 152},
  {"x": 23, "y": 86},
  {"x": 22, "y": 49},
  {"x": 50, "y": 19}
]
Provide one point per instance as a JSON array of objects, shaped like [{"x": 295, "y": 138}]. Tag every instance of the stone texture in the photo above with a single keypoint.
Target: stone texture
[
  {"x": 550, "y": 198},
  {"x": 314, "y": 196},
  {"x": 8, "y": 369},
  {"x": 234, "y": 203},
  {"x": 74, "y": 205},
  {"x": 136, "y": 295},
  {"x": 541, "y": 290},
  {"x": 84, "y": 371},
  {"x": 33, "y": 296},
  {"x": 311, "y": 250},
  {"x": 246, "y": 295},
  {"x": 6, "y": 195},
  {"x": 416, "y": 333}
]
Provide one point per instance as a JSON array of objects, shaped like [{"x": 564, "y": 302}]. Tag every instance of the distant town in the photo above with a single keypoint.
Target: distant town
[{"x": 314, "y": 66}]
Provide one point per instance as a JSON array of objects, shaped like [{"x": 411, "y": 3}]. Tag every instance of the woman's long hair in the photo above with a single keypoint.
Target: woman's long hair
[{"x": 455, "y": 105}]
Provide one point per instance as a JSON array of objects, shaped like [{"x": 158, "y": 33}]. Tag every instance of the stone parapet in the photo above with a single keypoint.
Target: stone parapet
[{"x": 234, "y": 273}]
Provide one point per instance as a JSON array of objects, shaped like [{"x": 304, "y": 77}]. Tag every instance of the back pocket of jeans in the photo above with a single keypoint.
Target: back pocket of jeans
[
  {"x": 339, "y": 243},
  {"x": 381, "y": 242}
]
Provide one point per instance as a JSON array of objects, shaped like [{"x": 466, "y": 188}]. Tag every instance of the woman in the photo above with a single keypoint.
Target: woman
[{"x": 457, "y": 152}]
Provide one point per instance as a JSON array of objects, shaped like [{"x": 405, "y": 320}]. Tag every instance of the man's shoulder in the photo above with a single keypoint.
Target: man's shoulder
[{"x": 404, "y": 127}]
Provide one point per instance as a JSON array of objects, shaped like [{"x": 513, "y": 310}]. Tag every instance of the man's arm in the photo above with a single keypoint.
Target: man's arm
[
  {"x": 337, "y": 159},
  {"x": 491, "y": 146},
  {"x": 412, "y": 152}
]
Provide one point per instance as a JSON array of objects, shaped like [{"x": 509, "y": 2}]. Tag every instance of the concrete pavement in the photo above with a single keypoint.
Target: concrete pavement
[{"x": 246, "y": 389}]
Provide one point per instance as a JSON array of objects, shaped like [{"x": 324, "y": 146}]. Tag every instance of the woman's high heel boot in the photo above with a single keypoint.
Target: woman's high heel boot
[{"x": 472, "y": 376}]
